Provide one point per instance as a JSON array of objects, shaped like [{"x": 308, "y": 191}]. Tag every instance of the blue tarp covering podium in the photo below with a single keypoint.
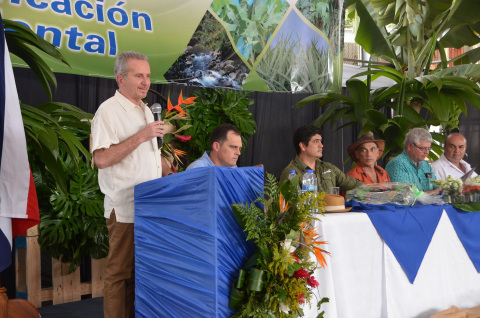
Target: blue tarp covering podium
[{"x": 188, "y": 244}]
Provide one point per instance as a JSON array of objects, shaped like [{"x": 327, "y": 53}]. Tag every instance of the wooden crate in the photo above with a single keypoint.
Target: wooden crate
[{"x": 66, "y": 287}]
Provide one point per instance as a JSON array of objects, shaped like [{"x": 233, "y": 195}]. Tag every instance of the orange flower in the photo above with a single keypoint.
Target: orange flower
[
  {"x": 181, "y": 112},
  {"x": 310, "y": 235},
  {"x": 179, "y": 153},
  {"x": 283, "y": 204}
]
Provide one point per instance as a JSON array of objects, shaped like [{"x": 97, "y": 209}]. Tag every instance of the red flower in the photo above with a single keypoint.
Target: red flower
[
  {"x": 470, "y": 188},
  {"x": 312, "y": 282},
  {"x": 301, "y": 299},
  {"x": 301, "y": 273},
  {"x": 296, "y": 258},
  {"x": 183, "y": 138}
]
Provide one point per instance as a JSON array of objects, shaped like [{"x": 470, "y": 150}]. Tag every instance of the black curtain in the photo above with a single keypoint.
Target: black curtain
[
  {"x": 275, "y": 115},
  {"x": 470, "y": 128}
]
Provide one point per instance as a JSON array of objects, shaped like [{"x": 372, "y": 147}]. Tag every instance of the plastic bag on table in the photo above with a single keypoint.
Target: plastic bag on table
[{"x": 381, "y": 193}]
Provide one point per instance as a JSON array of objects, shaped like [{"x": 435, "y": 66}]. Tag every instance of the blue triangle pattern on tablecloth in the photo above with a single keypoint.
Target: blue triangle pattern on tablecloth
[
  {"x": 467, "y": 225},
  {"x": 407, "y": 230}
]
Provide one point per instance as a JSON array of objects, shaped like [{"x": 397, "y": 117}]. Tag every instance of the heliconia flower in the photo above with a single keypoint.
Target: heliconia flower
[
  {"x": 287, "y": 244},
  {"x": 312, "y": 282},
  {"x": 187, "y": 101},
  {"x": 301, "y": 273},
  {"x": 301, "y": 299},
  {"x": 183, "y": 138},
  {"x": 170, "y": 107}
]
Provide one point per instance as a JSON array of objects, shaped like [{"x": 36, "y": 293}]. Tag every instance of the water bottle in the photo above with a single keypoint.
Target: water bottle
[
  {"x": 307, "y": 182},
  {"x": 315, "y": 189},
  {"x": 292, "y": 174},
  {"x": 315, "y": 182}
]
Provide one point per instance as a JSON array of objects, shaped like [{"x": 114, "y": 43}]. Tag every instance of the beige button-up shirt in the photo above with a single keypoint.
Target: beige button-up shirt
[{"x": 116, "y": 120}]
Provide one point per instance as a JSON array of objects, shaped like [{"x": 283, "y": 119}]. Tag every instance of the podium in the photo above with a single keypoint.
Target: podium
[{"x": 188, "y": 244}]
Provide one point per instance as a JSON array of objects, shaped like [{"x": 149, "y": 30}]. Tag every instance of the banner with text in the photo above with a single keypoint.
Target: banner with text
[{"x": 262, "y": 45}]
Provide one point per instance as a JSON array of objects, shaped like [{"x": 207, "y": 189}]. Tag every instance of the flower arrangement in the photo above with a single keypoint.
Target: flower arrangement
[
  {"x": 172, "y": 114},
  {"x": 462, "y": 195},
  {"x": 471, "y": 186},
  {"x": 278, "y": 278},
  {"x": 451, "y": 187}
]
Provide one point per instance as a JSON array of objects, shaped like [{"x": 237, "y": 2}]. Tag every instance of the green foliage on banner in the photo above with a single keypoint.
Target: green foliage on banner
[
  {"x": 318, "y": 12},
  {"x": 291, "y": 67},
  {"x": 250, "y": 25},
  {"x": 210, "y": 37}
]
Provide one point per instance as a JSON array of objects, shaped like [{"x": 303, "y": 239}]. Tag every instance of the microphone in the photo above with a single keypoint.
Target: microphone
[{"x": 157, "y": 115}]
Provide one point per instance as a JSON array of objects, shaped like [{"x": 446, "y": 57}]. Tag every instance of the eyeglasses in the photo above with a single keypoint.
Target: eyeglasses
[{"x": 424, "y": 149}]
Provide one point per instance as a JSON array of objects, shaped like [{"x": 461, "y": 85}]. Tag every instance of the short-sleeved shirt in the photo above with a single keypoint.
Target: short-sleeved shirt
[
  {"x": 443, "y": 168},
  {"x": 203, "y": 161},
  {"x": 403, "y": 169},
  {"x": 116, "y": 120},
  {"x": 358, "y": 173},
  {"x": 327, "y": 175}
]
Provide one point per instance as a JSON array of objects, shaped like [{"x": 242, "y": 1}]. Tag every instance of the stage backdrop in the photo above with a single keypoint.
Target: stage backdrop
[{"x": 261, "y": 45}]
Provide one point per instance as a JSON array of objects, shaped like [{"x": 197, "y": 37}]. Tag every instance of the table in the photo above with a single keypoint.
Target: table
[{"x": 364, "y": 279}]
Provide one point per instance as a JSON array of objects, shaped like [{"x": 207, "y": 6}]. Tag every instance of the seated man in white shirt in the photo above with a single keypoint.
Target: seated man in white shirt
[{"x": 451, "y": 161}]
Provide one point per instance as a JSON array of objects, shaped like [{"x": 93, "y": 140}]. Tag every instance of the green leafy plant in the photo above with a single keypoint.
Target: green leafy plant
[
  {"x": 23, "y": 42},
  {"x": 72, "y": 223},
  {"x": 214, "y": 107},
  {"x": 278, "y": 277},
  {"x": 407, "y": 34}
]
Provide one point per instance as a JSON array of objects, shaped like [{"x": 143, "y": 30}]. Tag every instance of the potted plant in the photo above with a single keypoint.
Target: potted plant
[
  {"x": 71, "y": 205},
  {"x": 407, "y": 35}
]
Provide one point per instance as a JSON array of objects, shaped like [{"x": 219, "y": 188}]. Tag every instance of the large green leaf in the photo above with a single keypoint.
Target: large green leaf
[{"x": 372, "y": 38}]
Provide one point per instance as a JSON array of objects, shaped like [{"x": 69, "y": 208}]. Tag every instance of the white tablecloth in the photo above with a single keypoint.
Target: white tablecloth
[{"x": 363, "y": 278}]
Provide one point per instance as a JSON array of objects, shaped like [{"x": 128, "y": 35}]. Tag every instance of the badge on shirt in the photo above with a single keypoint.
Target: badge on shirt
[
  {"x": 428, "y": 175},
  {"x": 328, "y": 171}
]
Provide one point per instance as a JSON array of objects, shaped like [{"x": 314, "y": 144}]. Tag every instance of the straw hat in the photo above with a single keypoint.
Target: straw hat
[
  {"x": 368, "y": 137},
  {"x": 335, "y": 203}
]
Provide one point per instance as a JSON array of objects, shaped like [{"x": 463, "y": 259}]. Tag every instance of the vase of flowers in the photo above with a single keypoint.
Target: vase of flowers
[
  {"x": 471, "y": 189},
  {"x": 278, "y": 279},
  {"x": 452, "y": 189}
]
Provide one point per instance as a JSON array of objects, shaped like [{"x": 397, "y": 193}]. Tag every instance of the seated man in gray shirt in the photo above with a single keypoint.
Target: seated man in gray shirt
[{"x": 225, "y": 146}]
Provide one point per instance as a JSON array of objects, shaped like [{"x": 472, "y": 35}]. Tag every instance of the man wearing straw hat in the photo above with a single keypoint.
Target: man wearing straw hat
[{"x": 366, "y": 152}]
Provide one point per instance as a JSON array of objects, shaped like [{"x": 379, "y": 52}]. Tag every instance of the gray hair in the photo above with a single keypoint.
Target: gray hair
[
  {"x": 415, "y": 135},
  {"x": 121, "y": 65}
]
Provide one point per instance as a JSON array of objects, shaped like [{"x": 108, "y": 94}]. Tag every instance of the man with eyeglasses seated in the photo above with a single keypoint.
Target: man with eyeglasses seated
[
  {"x": 410, "y": 166},
  {"x": 366, "y": 152},
  {"x": 451, "y": 162}
]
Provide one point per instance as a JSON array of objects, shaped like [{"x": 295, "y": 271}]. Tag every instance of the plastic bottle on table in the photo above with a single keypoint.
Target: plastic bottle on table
[
  {"x": 308, "y": 181},
  {"x": 292, "y": 174}
]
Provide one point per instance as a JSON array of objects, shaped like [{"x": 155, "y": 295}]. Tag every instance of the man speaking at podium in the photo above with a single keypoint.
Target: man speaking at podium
[{"x": 125, "y": 150}]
